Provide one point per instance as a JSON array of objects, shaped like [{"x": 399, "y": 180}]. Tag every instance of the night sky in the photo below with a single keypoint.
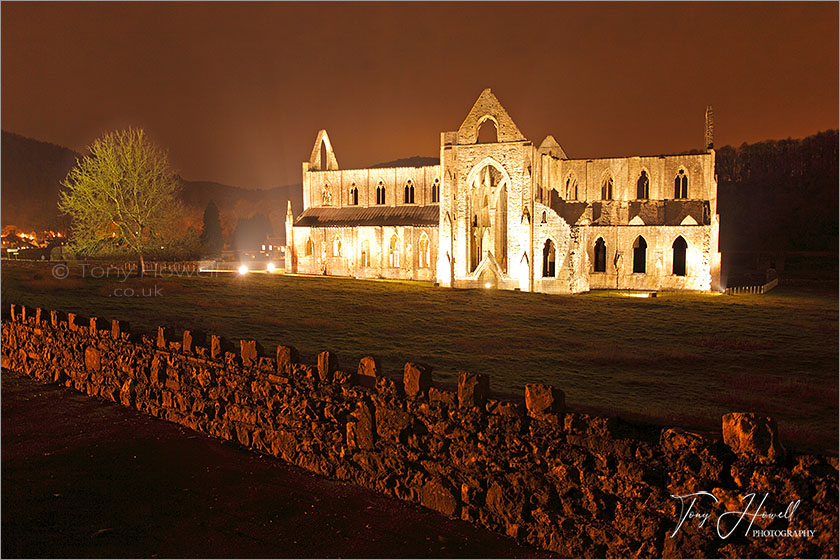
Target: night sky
[{"x": 237, "y": 92}]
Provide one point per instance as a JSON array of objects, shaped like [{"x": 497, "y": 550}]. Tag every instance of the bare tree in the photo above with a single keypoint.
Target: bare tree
[{"x": 124, "y": 193}]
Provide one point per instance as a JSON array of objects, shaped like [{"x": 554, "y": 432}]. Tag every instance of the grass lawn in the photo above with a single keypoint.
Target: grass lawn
[{"x": 676, "y": 359}]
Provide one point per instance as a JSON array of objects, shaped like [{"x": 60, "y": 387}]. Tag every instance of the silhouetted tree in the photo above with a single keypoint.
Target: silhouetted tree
[
  {"x": 122, "y": 195},
  {"x": 211, "y": 233}
]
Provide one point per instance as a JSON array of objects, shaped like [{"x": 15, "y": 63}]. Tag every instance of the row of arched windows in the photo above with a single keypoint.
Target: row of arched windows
[
  {"x": 678, "y": 267},
  {"x": 643, "y": 186},
  {"x": 608, "y": 185},
  {"x": 679, "y": 247},
  {"x": 424, "y": 255},
  {"x": 408, "y": 193}
]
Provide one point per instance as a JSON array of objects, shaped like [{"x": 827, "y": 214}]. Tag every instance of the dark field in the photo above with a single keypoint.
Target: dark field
[{"x": 676, "y": 359}]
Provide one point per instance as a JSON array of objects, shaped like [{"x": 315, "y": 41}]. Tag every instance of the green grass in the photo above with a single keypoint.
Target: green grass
[{"x": 678, "y": 359}]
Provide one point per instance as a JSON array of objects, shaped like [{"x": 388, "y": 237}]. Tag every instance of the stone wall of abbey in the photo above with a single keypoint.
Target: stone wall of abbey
[{"x": 506, "y": 214}]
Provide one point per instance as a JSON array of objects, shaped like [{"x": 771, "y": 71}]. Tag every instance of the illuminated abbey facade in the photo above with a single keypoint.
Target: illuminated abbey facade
[{"x": 509, "y": 215}]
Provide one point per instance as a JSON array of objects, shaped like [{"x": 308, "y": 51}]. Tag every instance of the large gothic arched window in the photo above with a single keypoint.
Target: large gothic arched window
[
  {"x": 488, "y": 208},
  {"x": 639, "y": 255}
]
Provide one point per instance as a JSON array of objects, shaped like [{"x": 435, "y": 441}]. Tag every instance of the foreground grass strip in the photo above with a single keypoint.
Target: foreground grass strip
[{"x": 682, "y": 360}]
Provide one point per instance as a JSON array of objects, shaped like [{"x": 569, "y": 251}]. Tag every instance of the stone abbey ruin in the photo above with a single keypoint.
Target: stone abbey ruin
[{"x": 509, "y": 215}]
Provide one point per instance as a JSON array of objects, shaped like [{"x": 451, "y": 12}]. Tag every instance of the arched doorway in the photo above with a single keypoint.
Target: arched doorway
[
  {"x": 679, "y": 248},
  {"x": 639, "y": 255},
  {"x": 600, "y": 255},
  {"x": 549, "y": 259}
]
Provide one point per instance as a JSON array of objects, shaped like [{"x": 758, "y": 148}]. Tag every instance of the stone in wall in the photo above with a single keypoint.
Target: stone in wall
[
  {"x": 92, "y": 359},
  {"x": 542, "y": 400},
  {"x": 369, "y": 367},
  {"x": 473, "y": 389},
  {"x": 248, "y": 352},
  {"x": 753, "y": 435},
  {"x": 361, "y": 432},
  {"x": 417, "y": 379},
  {"x": 327, "y": 364},
  {"x": 435, "y": 495},
  {"x": 287, "y": 356}
]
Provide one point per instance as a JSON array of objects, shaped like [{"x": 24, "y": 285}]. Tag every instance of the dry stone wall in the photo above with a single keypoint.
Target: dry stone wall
[{"x": 578, "y": 485}]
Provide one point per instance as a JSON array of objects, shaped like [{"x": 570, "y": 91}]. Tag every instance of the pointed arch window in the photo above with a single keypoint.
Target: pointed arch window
[
  {"x": 323, "y": 160},
  {"x": 548, "y": 259},
  {"x": 365, "y": 257},
  {"x": 571, "y": 188},
  {"x": 436, "y": 191},
  {"x": 394, "y": 252},
  {"x": 544, "y": 220},
  {"x": 607, "y": 188},
  {"x": 643, "y": 186},
  {"x": 308, "y": 248},
  {"x": 425, "y": 251},
  {"x": 680, "y": 246},
  {"x": 354, "y": 195},
  {"x": 600, "y": 255},
  {"x": 681, "y": 185},
  {"x": 639, "y": 255},
  {"x": 487, "y": 132},
  {"x": 409, "y": 192},
  {"x": 337, "y": 247},
  {"x": 380, "y": 193},
  {"x": 326, "y": 195}
]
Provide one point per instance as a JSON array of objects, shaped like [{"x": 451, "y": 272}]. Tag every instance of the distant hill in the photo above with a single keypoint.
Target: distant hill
[
  {"x": 413, "y": 161},
  {"x": 32, "y": 172}
]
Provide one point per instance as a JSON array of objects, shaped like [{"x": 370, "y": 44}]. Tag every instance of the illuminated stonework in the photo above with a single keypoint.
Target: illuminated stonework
[{"x": 504, "y": 214}]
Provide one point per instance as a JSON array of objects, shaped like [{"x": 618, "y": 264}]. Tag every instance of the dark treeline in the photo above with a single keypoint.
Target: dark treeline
[{"x": 779, "y": 195}]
